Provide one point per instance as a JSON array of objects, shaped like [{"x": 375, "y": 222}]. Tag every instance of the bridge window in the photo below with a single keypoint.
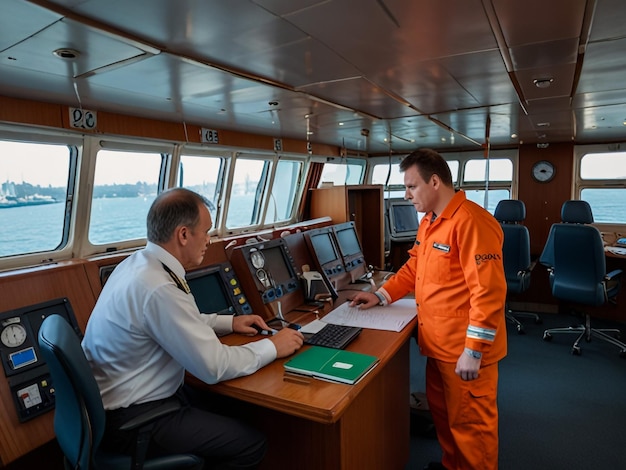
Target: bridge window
[
  {"x": 260, "y": 198},
  {"x": 602, "y": 183},
  {"x": 469, "y": 169},
  {"x": 350, "y": 172},
  {"x": 499, "y": 170},
  {"x": 33, "y": 190},
  {"x": 204, "y": 175},
  {"x": 487, "y": 184},
  {"x": 125, "y": 184},
  {"x": 493, "y": 197},
  {"x": 250, "y": 180},
  {"x": 283, "y": 196},
  {"x": 382, "y": 172},
  {"x": 394, "y": 188}
]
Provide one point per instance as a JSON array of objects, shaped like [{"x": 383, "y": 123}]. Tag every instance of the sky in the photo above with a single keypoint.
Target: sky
[{"x": 34, "y": 163}]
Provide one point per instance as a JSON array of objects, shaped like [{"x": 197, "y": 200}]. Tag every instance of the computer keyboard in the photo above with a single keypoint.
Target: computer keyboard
[{"x": 334, "y": 336}]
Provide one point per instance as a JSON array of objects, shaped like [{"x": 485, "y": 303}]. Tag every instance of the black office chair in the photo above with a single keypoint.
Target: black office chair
[
  {"x": 79, "y": 417},
  {"x": 574, "y": 255},
  {"x": 516, "y": 255}
]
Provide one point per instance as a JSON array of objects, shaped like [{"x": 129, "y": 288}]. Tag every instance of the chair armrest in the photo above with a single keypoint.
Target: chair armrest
[
  {"x": 141, "y": 420},
  {"x": 616, "y": 273}
]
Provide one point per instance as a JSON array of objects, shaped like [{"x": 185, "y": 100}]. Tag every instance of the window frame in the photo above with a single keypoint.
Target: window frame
[
  {"x": 173, "y": 177},
  {"x": 75, "y": 146},
  {"x": 86, "y": 178},
  {"x": 362, "y": 162},
  {"x": 273, "y": 158},
  {"x": 579, "y": 183},
  {"x": 462, "y": 157}
]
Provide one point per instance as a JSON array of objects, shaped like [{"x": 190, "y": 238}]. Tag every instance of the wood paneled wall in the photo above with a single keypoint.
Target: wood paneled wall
[
  {"x": 28, "y": 287},
  {"x": 544, "y": 200},
  {"x": 20, "y": 111}
]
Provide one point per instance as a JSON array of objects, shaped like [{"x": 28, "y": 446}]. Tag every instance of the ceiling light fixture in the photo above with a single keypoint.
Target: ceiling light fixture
[
  {"x": 67, "y": 54},
  {"x": 543, "y": 82}
]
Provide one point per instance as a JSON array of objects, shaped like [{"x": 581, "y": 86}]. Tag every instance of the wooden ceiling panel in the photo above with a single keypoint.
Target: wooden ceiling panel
[
  {"x": 537, "y": 21},
  {"x": 362, "y": 96},
  {"x": 483, "y": 76},
  {"x": 603, "y": 69},
  {"x": 601, "y": 124},
  {"x": 384, "y": 65}
]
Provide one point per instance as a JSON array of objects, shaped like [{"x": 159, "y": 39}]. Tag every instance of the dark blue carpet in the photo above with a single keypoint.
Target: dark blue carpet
[{"x": 557, "y": 410}]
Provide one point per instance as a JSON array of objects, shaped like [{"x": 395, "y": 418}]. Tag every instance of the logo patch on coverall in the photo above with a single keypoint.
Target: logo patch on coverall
[{"x": 486, "y": 257}]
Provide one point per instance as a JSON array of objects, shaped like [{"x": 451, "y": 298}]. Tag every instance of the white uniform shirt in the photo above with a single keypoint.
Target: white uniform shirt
[{"x": 144, "y": 332}]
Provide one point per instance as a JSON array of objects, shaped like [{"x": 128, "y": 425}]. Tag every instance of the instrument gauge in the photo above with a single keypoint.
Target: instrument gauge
[
  {"x": 257, "y": 259},
  {"x": 13, "y": 335}
]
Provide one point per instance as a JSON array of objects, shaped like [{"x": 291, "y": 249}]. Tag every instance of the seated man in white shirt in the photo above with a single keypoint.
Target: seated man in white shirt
[{"x": 146, "y": 330}]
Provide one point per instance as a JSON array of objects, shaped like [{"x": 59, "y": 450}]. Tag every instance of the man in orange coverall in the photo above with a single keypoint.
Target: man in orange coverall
[{"x": 455, "y": 269}]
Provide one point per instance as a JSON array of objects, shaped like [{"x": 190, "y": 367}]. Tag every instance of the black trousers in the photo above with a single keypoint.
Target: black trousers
[{"x": 223, "y": 442}]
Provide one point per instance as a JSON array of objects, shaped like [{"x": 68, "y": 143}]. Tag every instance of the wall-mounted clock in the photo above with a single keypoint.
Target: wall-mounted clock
[{"x": 543, "y": 171}]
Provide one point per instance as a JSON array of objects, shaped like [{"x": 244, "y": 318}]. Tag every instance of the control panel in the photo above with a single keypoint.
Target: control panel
[
  {"x": 26, "y": 372},
  {"x": 239, "y": 299},
  {"x": 216, "y": 289}
]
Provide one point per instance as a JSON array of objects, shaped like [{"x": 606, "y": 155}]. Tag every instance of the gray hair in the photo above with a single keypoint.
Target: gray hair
[{"x": 171, "y": 209}]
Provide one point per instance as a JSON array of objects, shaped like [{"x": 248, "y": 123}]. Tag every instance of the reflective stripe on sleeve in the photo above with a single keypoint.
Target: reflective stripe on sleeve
[{"x": 484, "y": 334}]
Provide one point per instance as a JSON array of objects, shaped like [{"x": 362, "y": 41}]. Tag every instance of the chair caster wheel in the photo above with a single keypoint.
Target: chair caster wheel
[
  {"x": 622, "y": 353},
  {"x": 520, "y": 330},
  {"x": 576, "y": 351},
  {"x": 547, "y": 336}
]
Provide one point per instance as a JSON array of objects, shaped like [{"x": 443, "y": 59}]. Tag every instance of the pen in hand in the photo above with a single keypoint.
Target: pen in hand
[{"x": 262, "y": 331}]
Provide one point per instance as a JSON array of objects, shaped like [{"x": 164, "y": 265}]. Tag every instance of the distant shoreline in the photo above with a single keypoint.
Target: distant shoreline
[{"x": 8, "y": 205}]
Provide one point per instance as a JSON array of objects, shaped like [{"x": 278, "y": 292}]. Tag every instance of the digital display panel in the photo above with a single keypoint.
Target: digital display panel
[
  {"x": 404, "y": 218},
  {"x": 348, "y": 241},
  {"x": 276, "y": 265},
  {"x": 210, "y": 293},
  {"x": 23, "y": 358},
  {"x": 324, "y": 248},
  {"x": 267, "y": 270}
]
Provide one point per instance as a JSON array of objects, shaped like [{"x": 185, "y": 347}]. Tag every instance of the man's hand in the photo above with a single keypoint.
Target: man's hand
[
  {"x": 287, "y": 342},
  {"x": 243, "y": 324},
  {"x": 467, "y": 367},
  {"x": 364, "y": 300}
]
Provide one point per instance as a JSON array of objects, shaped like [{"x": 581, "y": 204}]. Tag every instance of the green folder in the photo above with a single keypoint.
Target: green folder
[{"x": 336, "y": 365}]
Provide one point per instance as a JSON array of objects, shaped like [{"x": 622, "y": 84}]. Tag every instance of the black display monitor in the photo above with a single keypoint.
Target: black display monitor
[
  {"x": 272, "y": 268},
  {"x": 403, "y": 220},
  {"x": 216, "y": 289},
  {"x": 324, "y": 248},
  {"x": 349, "y": 246}
]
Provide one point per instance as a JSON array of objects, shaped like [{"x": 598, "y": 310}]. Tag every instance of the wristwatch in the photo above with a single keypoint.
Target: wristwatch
[
  {"x": 474, "y": 354},
  {"x": 381, "y": 298}
]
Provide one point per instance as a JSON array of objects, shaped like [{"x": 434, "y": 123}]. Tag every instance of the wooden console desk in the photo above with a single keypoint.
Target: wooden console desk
[{"x": 313, "y": 424}]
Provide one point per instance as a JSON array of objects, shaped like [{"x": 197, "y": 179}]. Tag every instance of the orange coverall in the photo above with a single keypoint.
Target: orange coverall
[{"x": 456, "y": 271}]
